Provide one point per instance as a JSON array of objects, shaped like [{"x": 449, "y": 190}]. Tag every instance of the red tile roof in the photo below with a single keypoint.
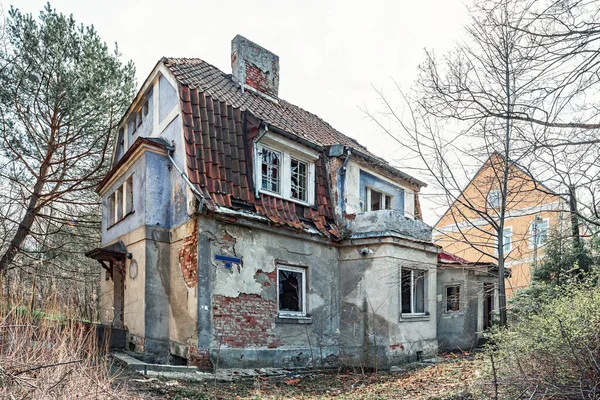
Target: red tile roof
[
  {"x": 198, "y": 74},
  {"x": 218, "y": 137}
]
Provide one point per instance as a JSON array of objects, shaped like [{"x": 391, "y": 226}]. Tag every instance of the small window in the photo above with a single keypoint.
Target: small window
[
  {"x": 120, "y": 202},
  {"x": 128, "y": 195},
  {"x": 299, "y": 177},
  {"x": 139, "y": 117},
  {"x": 412, "y": 291},
  {"x": 146, "y": 107},
  {"x": 493, "y": 199},
  {"x": 538, "y": 231},
  {"x": 506, "y": 241},
  {"x": 291, "y": 282},
  {"x": 132, "y": 124},
  {"x": 452, "y": 298},
  {"x": 271, "y": 163},
  {"x": 378, "y": 201}
]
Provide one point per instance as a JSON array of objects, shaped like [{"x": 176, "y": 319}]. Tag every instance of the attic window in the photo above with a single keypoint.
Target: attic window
[
  {"x": 139, "y": 117},
  {"x": 286, "y": 173},
  {"x": 145, "y": 107},
  {"x": 493, "y": 199}
]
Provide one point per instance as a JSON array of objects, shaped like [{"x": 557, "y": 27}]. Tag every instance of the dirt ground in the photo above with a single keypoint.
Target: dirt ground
[{"x": 454, "y": 377}]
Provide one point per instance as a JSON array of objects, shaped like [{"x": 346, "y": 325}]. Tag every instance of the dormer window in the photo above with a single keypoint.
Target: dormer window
[
  {"x": 286, "y": 170},
  {"x": 377, "y": 200}
]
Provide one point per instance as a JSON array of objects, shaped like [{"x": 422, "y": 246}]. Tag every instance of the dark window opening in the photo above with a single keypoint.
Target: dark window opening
[
  {"x": 412, "y": 291},
  {"x": 291, "y": 290},
  {"x": 452, "y": 298}
]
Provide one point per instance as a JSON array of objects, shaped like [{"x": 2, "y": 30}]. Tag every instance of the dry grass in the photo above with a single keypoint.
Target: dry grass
[{"x": 44, "y": 357}]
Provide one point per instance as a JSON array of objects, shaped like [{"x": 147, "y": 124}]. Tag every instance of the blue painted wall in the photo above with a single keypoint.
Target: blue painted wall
[
  {"x": 145, "y": 129},
  {"x": 380, "y": 185},
  {"x": 158, "y": 190},
  {"x": 167, "y": 98}
]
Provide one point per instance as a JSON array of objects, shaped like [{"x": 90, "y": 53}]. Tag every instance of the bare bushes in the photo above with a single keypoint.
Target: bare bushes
[
  {"x": 42, "y": 356},
  {"x": 553, "y": 352}
]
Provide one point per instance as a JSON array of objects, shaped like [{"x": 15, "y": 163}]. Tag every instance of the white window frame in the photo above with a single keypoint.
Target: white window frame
[
  {"x": 385, "y": 194},
  {"x": 287, "y": 151},
  {"x": 124, "y": 205},
  {"x": 459, "y": 286},
  {"x": 304, "y": 287},
  {"x": 531, "y": 233},
  {"x": 504, "y": 242},
  {"x": 412, "y": 293},
  {"x": 498, "y": 199}
]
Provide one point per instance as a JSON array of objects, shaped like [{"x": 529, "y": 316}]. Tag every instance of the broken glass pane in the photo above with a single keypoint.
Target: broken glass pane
[
  {"x": 290, "y": 291},
  {"x": 270, "y": 170}
]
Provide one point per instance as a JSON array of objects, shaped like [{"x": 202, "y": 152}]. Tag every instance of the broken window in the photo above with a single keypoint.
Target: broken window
[
  {"x": 287, "y": 172},
  {"x": 412, "y": 291},
  {"x": 271, "y": 162},
  {"x": 291, "y": 283},
  {"x": 378, "y": 201},
  {"x": 452, "y": 298},
  {"x": 299, "y": 177}
]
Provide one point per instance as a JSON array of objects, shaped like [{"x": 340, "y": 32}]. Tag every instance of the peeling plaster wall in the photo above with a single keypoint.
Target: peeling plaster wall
[
  {"x": 458, "y": 329},
  {"x": 244, "y": 298},
  {"x": 372, "y": 329}
]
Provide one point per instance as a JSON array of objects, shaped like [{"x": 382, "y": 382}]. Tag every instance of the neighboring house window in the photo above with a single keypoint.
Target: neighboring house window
[
  {"x": 120, "y": 202},
  {"x": 291, "y": 294},
  {"x": 538, "y": 232},
  {"x": 377, "y": 200},
  {"x": 493, "y": 199},
  {"x": 506, "y": 241},
  {"x": 412, "y": 291},
  {"x": 286, "y": 174},
  {"x": 452, "y": 298}
]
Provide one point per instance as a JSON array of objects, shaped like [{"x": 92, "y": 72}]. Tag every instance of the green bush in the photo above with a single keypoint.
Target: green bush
[{"x": 554, "y": 350}]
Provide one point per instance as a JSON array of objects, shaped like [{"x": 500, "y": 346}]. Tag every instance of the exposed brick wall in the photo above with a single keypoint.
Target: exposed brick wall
[
  {"x": 257, "y": 79},
  {"x": 200, "y": 358},
  {"x": 188, "y": 257},
  {"x": 246, "y": 320}
]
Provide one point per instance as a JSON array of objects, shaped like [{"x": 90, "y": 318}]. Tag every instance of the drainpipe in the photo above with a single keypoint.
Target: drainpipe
[
  {"x": 342, "y": 182},
  {"x": 256, "y": 157},
  {"x": 197, "y": 193}
]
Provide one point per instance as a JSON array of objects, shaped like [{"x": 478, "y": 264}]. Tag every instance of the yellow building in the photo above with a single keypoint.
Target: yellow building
[{"x": 469, "y": 227}]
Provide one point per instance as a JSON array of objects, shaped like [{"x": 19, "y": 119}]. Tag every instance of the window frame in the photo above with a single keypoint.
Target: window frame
[
  {"x": 425, "y": 274},
  {"x": 120, "y": 202},
  {"x": 384, "y": 195},
  {"x": 532, "y": 239},
  {"x": 303, "y": 313},
  {"x": 507, "y": 228},
  {"x": 498, "y": 199},
  {"x": 285, "y": 178},
  {"x": 446, "y": 287}
]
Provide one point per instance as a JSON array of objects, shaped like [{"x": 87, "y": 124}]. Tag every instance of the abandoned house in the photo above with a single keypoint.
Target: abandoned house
[{"x": 241, "y": 230}]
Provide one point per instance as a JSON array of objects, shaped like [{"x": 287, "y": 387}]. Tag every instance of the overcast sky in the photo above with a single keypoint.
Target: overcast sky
[{"x": 331, "y": 52}]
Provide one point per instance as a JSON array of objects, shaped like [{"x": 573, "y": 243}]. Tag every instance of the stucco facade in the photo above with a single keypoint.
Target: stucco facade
[{"x": 532, "y": 210}]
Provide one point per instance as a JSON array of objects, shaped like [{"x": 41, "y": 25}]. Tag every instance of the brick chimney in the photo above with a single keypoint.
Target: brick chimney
[{"x": 254, "y": 67}]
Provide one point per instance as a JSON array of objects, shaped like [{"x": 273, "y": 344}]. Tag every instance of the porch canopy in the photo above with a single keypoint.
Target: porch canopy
[{"x": 110, "y": 256}]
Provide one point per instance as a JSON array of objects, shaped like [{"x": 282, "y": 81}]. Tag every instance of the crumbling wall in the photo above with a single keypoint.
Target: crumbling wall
[{"x": 373, "y": 331}]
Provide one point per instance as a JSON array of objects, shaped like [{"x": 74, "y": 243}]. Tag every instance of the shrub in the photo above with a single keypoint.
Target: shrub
[{"x": 553, "y": 351}]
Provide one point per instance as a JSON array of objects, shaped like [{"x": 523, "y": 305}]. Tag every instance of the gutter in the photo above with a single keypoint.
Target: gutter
[{"x": 192, "y": 187}]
